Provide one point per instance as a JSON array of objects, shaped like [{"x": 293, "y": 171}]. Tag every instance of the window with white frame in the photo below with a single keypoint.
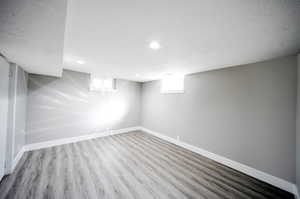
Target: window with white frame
[{"x": 102, "y": 84}]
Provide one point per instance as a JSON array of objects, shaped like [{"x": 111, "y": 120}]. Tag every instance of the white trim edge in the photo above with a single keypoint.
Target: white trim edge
[
  {"x": 275, "y": 181},
  {"x": 17, "y": 159},
  {"x": 14, "y": 109},
  {"x": 57, "y": 142}
]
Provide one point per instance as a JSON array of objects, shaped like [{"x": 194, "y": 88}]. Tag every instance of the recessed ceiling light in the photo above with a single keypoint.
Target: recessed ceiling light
[
  {"x": 154, "y": 45},
  {"x": 80, "y": 62}
]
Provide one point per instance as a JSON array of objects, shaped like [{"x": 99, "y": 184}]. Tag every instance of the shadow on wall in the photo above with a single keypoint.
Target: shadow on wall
[{"x": 64, "y": 107}]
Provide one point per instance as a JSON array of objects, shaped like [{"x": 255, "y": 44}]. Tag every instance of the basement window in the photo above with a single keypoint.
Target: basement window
[
  {"x": 172, "y": 84},
  {"x": 102, "y": 84}
]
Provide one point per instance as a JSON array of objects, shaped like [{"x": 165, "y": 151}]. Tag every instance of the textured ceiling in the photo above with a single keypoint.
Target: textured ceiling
[
  {"x": 112, "y": 37},
  {"x": 32, "y": 34}
]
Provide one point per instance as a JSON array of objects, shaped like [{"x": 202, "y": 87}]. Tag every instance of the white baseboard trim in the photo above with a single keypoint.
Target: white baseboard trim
[
  {"x": 275, "y": 181},
  {"x": 17, "y": 159},
  {"x": 41, "y": 145},
  {"x": 57, "y": 142}
]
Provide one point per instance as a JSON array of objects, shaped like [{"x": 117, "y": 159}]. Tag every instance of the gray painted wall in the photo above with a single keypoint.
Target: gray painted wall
[
  {"x": 64, "y": 107},
  {"x": 244, "y": 113},
  {"x": 298, "y": 129}
]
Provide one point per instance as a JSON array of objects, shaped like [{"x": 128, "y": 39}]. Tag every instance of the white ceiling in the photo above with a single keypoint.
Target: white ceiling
[
  {"x": 112, "y": 37},
  {"x": 32, "y": 34},
  {"x": 196, "y": 35}
]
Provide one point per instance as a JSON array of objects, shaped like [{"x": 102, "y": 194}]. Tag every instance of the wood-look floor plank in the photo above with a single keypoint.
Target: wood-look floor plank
[
  {"x": 242, "y": 180},
  {"x": 177, "y": 179},
  {"x": 191, "y": 170},
  {"x": 134, "y": 165},
  {"x": 150, "y": 179}
]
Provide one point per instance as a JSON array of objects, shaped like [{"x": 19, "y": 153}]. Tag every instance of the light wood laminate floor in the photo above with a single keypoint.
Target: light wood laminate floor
[{"x": 131, "y": 165}]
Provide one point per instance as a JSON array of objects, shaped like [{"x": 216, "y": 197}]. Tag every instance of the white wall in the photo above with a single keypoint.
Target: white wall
[
  {"x": 17, "y": 112},
  {"x": 21, "y": 105},
  {"x": 4, "y": 88},
  {"x": 244, "y": 113},
  {"x": 298, "y": 130},
  {"x": 64, "y": 107}
]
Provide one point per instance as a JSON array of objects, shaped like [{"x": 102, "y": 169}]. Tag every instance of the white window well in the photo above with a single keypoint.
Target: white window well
[
  {"x": 172, "y": 84},
  {"x": 102, "y": 84}
]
